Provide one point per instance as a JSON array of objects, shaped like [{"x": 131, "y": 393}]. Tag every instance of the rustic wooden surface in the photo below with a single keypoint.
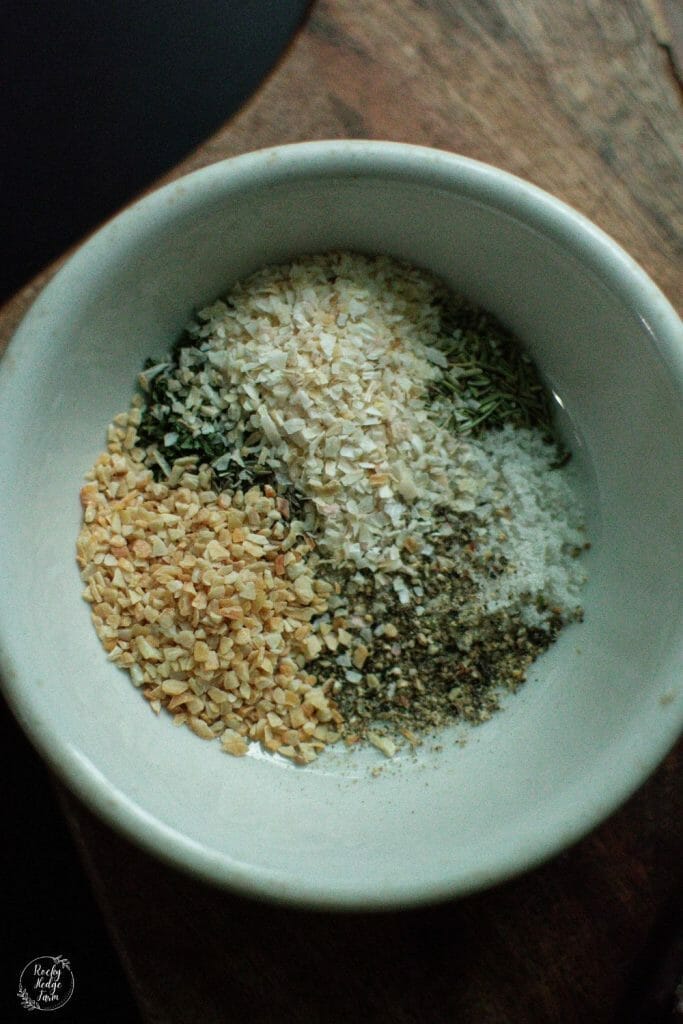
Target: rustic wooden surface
[
  {"x": 582, "y": 97},
  {"x": 584, "y": 939}
]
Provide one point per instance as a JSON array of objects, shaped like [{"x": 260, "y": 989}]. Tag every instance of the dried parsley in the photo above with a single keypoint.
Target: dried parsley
[{"x": 187, "y": 414}]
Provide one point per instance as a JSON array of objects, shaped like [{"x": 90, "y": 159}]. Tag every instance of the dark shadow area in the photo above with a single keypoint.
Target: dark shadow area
[
  {"x": 100, "y": 97},
  {"x": 48, "y": 905}
]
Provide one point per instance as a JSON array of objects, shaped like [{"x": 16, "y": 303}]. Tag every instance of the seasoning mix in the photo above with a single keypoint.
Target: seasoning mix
[{"x": 335, "y": 510}]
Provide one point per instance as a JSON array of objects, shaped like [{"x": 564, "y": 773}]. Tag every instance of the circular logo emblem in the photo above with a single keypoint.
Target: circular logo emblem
[{"x": 46, "y": 983}]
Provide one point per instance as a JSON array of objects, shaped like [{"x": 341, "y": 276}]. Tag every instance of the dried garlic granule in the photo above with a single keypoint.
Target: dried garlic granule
[{"x": 207, "y": 600}]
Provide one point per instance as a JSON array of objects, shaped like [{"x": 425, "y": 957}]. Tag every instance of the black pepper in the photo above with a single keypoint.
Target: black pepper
[{"x": 438, "y": 659}]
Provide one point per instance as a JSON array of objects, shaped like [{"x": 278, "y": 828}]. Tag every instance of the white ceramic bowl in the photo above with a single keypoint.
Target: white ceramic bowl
[{"x": 601, "y": 708}]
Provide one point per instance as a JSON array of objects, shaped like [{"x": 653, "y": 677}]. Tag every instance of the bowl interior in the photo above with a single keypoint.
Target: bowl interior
[{"x": 601, "y": 707}]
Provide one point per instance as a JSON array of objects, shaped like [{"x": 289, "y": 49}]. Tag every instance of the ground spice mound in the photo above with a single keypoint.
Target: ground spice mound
[
  {"x": 416, "y": 666},
  {"x": 337, "y": 509}
]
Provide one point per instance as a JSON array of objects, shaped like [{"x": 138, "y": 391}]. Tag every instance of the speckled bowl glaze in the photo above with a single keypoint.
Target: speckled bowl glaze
[{"x": 601, "y": 707}]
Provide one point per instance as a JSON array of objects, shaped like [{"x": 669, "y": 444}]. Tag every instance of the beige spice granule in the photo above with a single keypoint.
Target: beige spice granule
[
  {"x": 208, "y": 600},
  {"x": 330, "y": 358}
]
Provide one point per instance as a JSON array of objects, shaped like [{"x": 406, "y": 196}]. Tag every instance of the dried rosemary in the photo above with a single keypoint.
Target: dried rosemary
[{"x": 488, "y": 380}]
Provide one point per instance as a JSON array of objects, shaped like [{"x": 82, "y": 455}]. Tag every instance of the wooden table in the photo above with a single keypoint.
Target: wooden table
[{"x": 582, "y": 98}]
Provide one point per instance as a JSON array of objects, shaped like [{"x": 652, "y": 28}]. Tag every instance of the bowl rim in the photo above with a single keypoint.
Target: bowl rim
[{"x": 419, "y": 164}]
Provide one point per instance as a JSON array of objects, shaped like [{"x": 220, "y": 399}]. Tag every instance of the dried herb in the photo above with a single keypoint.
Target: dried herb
[
  {"x": 185, "y": 415},
  {"x": 489, "y": 380}
]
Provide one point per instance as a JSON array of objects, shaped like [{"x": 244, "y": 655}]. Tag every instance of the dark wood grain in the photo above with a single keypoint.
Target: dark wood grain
[
  {"x": 574, "y": 942},
  {"x": 581, "y": 97}
]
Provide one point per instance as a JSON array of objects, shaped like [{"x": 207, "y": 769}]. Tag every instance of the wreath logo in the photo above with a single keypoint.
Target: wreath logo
[{"x": 46, "y": 983}]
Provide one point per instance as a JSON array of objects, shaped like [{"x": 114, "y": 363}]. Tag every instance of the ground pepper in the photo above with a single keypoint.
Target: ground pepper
[{"x": 441, "y": 657}]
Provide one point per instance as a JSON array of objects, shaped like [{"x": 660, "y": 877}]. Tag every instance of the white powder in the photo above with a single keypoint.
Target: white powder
[{"x": 543, "y": 533}]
